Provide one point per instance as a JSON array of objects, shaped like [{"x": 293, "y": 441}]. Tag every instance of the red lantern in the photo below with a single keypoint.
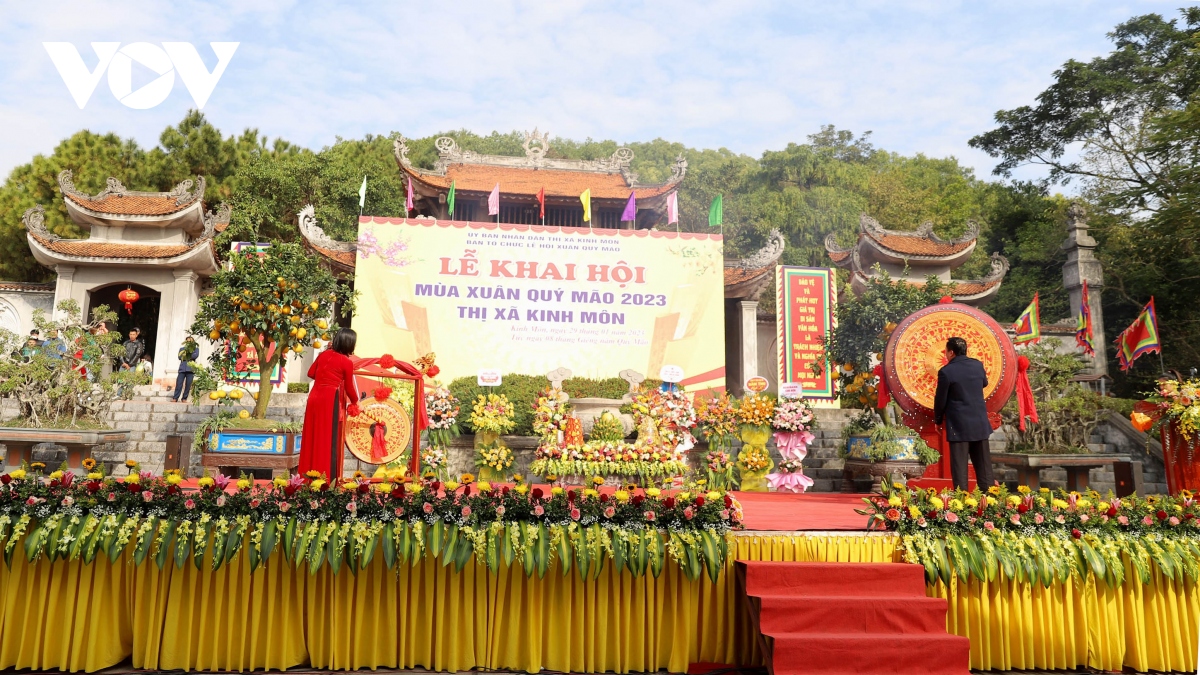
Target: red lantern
[{"x": 128, "y": 296}]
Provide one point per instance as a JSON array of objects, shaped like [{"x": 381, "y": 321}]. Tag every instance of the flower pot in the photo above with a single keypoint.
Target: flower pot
[
  {"x": 490, "y": 475},
  {"x": 485, "y": 439},
  {"x": 859, "y": 445}
]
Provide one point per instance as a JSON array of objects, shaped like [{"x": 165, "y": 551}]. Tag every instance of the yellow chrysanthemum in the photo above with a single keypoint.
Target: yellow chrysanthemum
[
  {"x": 55, "y": 475},
  {"x": 206, "y": 481},
  {"x": 174, "y": 479},
  {"x": 653, "y": 492},
  {"x": 914, "y": 512},
  {"x": 556, "y": 490},
  {"x": 895, "y": 501},
  {"x": 621, "y": 496},
  {"x": 937, "y": 502},
  {"x": 385, "y": 488},
  {"x": 244, "y": 484},
  {"x": 95, "y": 475},
  {"x": 17, "y": 474},
  {"x": 522, "y": 488},
  {"x": 452, "y": 485},
  {"x": 133, "y": 478},
  {"x": 483, "y": 486}
]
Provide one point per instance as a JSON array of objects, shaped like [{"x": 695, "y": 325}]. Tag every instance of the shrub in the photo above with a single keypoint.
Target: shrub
[
  {"x": 586, "y": 387},
  {"x": 521, "y": 390},
  {"x": 298, "y": 387}
]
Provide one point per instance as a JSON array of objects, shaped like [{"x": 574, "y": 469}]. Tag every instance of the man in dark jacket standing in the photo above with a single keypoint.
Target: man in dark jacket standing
[
  {"x": 959, "y": 406},
  {"x": 189, "y": 352},
  {"x": 135, "y": 349}
]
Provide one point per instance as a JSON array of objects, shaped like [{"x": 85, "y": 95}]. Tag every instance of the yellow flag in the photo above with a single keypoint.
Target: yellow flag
[{"x": 586, "y": 198}]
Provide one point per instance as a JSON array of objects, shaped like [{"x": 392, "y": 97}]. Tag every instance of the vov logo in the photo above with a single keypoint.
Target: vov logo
[{"x": 167, "y": 60}]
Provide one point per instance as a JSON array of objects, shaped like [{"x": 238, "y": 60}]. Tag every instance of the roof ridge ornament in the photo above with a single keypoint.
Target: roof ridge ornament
[
  {"x": 767, "y": 255},
  {"x": 315, "y": 234},
  {"x": 211, "y": 220},
  {"x": 34, "y": 219},
  {"x": 536, "y": 146}
]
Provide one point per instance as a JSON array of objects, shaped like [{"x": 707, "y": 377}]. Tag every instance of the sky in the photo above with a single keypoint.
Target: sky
[{"x": 745, "y": 75}]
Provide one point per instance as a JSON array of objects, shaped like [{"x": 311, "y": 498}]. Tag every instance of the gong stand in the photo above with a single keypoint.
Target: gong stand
[{"x": 370, "y": 369}]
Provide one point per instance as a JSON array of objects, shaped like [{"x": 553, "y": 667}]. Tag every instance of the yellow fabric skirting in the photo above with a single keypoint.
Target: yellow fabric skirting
[{"x": 75, "y": 617}]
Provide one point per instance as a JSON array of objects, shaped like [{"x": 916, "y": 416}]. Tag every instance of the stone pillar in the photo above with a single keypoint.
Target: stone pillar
[
  {"x": 1081, "y": 266},
  {"x": 748, "y": 334},
  {"x": 64, "y": 288},
  {"x": 184, "y": 303}
]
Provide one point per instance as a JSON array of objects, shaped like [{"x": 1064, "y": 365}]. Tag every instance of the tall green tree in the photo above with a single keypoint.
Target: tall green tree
[{"x": 1132, "y": 116}]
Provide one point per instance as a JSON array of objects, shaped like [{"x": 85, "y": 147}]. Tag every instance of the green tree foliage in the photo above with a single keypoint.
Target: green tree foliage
[
  {"x": 1132, "y": 114},
  {"x": 278, "y": 301}
]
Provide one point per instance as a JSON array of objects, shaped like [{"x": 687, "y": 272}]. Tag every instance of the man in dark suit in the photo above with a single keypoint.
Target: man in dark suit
[{"x": 959, "y": 406}]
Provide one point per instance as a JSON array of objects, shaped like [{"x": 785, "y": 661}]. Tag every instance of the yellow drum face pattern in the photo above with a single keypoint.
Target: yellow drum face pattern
[
  {"x": 397, "y": 429},
  {"x": 920, "y": 352}
]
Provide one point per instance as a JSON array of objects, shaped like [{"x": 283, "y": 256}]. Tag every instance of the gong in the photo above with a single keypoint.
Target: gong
[
  {"x": 916, "y": 351},
  {"x": 397, "y": 429}
]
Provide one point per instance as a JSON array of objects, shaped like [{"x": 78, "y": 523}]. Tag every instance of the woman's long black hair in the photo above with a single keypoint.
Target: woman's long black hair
[{"x": 344, "y": 341}]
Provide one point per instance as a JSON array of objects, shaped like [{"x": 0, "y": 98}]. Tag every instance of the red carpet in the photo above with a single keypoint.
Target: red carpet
[
  {"x": 850, "y": 618},
  {"x": 811, "y": 511}
]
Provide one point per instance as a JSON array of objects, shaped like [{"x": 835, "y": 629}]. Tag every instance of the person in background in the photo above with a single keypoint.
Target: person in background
[
  {"x": 189, "y": 352},
  {"x": 36, "y": 336},
  {"x": 30, "y": 349},
  {"x": 145, "y": 366},
  {"x": 135, "y": 349},
  {"x": 54, "y": 347},
  {"x": 960, "y": 407},
  {"x": 332, "y": 397}
]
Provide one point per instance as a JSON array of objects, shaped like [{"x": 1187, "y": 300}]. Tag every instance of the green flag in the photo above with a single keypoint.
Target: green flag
[
  {"x": 450, "y": 199},
  {"x": 716, "y": 212}
]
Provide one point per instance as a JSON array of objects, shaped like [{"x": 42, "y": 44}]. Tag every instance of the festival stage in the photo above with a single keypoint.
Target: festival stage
[{"x": 84, "y": 617}]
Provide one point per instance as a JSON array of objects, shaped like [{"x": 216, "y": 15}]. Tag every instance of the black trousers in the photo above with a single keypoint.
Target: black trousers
[
  {"x": 981, "y": 457},
  {"x": 183, "y": 385}
]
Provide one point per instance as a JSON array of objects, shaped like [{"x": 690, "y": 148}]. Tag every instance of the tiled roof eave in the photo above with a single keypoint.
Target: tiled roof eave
[{"x": 963, "y": 250}]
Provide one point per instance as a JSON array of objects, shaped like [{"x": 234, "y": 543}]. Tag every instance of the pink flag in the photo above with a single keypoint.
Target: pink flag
[
  {"x": 494, "y": 201},
  {"x": 408, "y": 198},
  {"x": 673, "y": 208},
  {"x": 630, "y": 208}
]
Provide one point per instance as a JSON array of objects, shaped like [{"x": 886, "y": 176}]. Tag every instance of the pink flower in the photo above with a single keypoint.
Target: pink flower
[
  {"x": 1083, "y": 517},
  {"x": 221, "y": 500},
  {"x": 921, "y": 521},
  {"x": 987, "y": 525},
  {"x": 500, "y": 511},
  {"x": 574, "y": 514},
  {"x": 1039, "y": 518},
  {"x": 725, "y": 514},
  {"x": 951, "y": 517},
  {"x": 399, "y": 512},
  {"x": 351, "y": 507},
  {"x": 1124, "y": 520},
  {"x": 466, "y": 512},
  {"x": 254, "y": 503},
  {"x": 31, "y": 501},
  {"x": 688, "y": 513},
  {"x": 189, "y": 505},
  {"x": 1060, "y": 519},
  {"x": 610, "y": 512},
  {"x": 1148, "y": 520},
  {"x": 147, "y": 496},
  {"x": 284, "y": 507},
  {"x": 112, "y": 496},
  {"x": 427, "y": 508},
  {"x": 649, "y": 515},
  {"x": 538, "y": 510},
  {"x": 1015, "y": 519},
  {"x": 1173, "y": 520},
  {"x": 314, "y": 504},
  {"x": 68, "y": 500}
]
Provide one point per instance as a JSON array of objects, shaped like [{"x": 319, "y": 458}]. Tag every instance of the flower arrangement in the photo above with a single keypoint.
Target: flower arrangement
[
  {"x": 719, "y": 470},
  {"x": 434, "y": 462},
  {"x": 492, "y": 413},
  {"x": 1175, "y": 401},
  {"x": 496, "y": 458},
  {"x": 1040, "y": 535},
  {"x": 718, "y": 420},
  {"x": 669, "y": 413},
  {"x": 793, "y": 414},
  {"x": 753, "y": 459},
  {"x": 608, "y": 458},
  {"x": 314, "y": 523},
  {"x": 441, "y": 407},
  {"x": 756, "y": 410},
  {"x": 550, "y": 414},
  {"x": 789, "y": 477},
  {"x": 607, "y": 428}
]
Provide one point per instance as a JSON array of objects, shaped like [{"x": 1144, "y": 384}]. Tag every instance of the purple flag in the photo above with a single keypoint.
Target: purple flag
[
  {"x": 630, "y": 208},
  {"x": 494, "y": 201},
  {"x": 408, "y": 198}
]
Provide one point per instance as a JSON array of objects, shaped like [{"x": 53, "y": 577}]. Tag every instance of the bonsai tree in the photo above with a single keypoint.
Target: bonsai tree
[
  {"x": 61, "y": 383},
  {"x": 864, "y": 324},
  {"x": 278, "y": 301}
]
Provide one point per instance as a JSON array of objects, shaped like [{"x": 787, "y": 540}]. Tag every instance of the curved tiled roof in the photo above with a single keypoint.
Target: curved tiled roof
[
  {"x": 116, "y": 200},
  {"x": 838, "y": 256},
  {"x": 527, "y": 181},
  {"x": 83, "y": 248},
  {"x": 915, "y": 245},
  {"x": 27, "y": 286},
  {"x": 737, "y": 275}
]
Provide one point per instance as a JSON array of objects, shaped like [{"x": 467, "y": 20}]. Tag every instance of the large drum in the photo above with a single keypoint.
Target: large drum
[
  {"x": 384, "y": 417},
  {"x": 916, "y": 351}
]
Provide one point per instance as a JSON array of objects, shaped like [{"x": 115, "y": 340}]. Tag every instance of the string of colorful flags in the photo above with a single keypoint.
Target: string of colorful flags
[{"x": 1141, "y": 337}]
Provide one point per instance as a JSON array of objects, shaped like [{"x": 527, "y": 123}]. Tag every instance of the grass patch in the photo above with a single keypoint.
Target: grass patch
[{"x": 81, "y": 423}]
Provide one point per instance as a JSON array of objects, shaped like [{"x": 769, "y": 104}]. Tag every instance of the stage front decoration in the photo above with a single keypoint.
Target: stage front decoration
[
  {"x": 916, "y": 352},
  {"x": 380, "y": 433}
]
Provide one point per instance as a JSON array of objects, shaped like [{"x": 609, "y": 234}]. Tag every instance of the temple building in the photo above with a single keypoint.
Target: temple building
[
  {"x": 914, "y": 256},
  {"x": 159, "y": 244},
  {"x": 474, "y": 176}
]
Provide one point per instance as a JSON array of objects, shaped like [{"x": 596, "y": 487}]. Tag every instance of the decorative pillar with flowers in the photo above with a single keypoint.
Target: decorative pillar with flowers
[
  {"x": 755, "y": 413},
  {"x": 793, "y": 423},
  {"x": 717, "y": 420},
  {"x": 1174, "y": 409}
]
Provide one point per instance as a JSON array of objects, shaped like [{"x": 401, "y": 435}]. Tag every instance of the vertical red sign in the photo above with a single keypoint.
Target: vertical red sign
[{"x": 805, "y": 302}]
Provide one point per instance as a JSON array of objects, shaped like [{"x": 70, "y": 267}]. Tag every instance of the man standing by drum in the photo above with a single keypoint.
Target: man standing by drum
[{"x": 960, "y": 408}]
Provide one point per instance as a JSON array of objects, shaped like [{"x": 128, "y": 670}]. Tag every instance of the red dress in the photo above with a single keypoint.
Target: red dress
[{"x": 324, "y": 435}]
